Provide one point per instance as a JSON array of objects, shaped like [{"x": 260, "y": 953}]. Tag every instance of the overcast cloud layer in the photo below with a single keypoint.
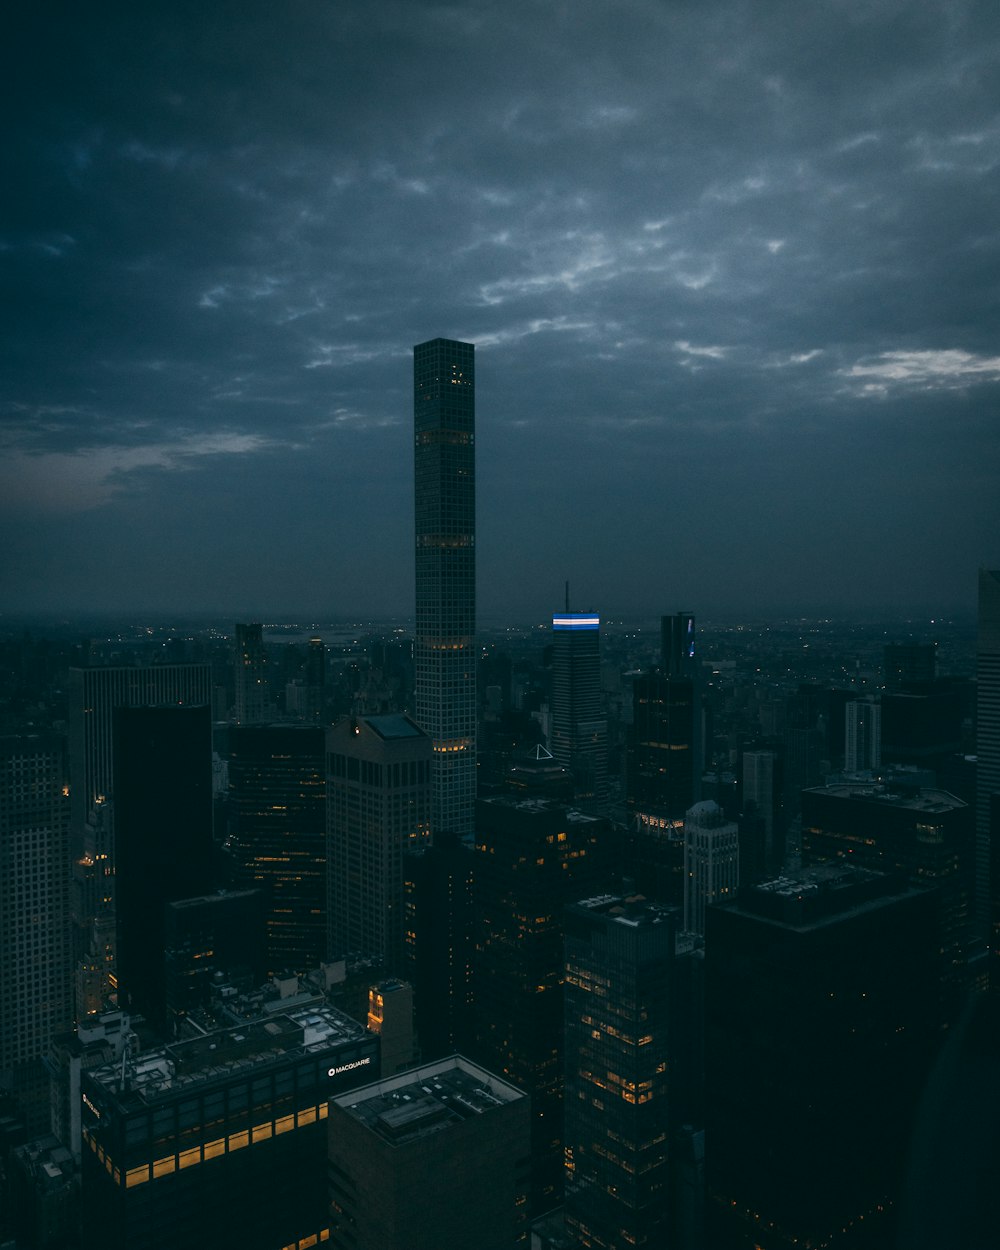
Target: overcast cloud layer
[{"x": 731, "y": 269}]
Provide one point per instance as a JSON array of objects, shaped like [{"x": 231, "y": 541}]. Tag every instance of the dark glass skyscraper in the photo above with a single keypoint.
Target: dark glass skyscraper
[
  {"x": 378, "y": 796},
  {"x": 619, "y": 1070},
  {"x": 162, "y": 782},
  {"x": 579, "y": 730},
  {"x": 277, "y": 789},
  {"x": 444, "y": 418}
]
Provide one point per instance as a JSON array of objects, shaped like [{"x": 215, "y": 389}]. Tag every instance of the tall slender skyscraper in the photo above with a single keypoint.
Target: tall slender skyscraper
[
  {"x": 988, "y": 762},
  {"x": 444, "y": 418}
]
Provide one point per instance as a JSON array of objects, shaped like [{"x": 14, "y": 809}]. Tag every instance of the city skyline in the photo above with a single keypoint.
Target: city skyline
[{"x": 729, "y": 277}]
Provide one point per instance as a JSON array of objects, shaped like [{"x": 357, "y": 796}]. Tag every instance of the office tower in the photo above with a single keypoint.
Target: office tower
[
  {"x": 820, "y": 1027},
  {"x": 923, "y": 725},
  {"x": 988, "y": 763},
  {"x": 444, "y": 415},
  {"x": 94, "y": 694},
  {"x": 532, "y": 858},
  {"x": 660, "y": 780},
  {"x": 253, "y": 689},
  {"x": 907, "y": 662},
  {"x": 278, "y": 838},
  {"x": 316, "y": 678},
  {"x": 207, "y": 936},
  {"x": 677, "y": 644},
  {"x": 429, "y": 1159},
  {"x": 620, "y": 1069},
  {"x": 390, "y": 1018},
  {"x": 762, "y": 788},
  {"x": 162, "y": 782},
  {"x": 579, "y": 729},
  {"x": 924, "y": 835},
  {"x": 862, "y": 736},
  {"x": 219, "y": 1140},
  {"x": 379, "y": 804},
  {"x": 35, "y": 954},
  {"x": 711, "y": 862},
  {"x": 437, "y": 956}
]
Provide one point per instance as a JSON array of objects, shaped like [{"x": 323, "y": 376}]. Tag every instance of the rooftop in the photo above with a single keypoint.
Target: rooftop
[
  {"x": 159, "y": 1073},
  {"x": 394, "y": 725},
  {"x": 427, "y": 1100},
  {"x": 926, "y": 800}
]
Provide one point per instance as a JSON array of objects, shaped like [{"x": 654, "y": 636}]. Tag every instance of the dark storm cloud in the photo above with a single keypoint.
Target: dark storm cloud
[{"x": 732, "y": 271}]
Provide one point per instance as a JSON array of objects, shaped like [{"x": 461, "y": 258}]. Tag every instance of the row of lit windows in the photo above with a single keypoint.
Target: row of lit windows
[
  {"x": 209, "y": 1150},
  {"x": 305, "y": 1242}
]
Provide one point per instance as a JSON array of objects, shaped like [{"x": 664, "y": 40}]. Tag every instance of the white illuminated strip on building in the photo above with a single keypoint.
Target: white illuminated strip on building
[
  {"x": 576, "y": 622},
  {"x": 346, "y": 1067}
]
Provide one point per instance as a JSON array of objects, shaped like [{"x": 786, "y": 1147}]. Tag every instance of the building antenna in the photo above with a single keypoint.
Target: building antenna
[{"x": 567, "y": 597}]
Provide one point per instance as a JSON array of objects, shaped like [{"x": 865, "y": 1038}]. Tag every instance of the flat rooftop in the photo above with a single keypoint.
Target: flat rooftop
[
  {"x": 316, "y": 1028},
  {"x": 925, "y": 800},
  {"x": 429, "y": 1099},
  {"x": 394, "y": 725}
]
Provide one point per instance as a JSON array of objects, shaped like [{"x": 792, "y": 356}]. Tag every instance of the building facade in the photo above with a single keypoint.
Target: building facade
[
  {"x": 379, "y": 779},
  {"x": 431, "y": 1158},
  {"x": 252, "y": 687},
  {"x": 220, "y": 1139},
  {"x": 35, "y": 955},
  {"x": 162, "y": 781},
  {"x": 277, "y": 788},
  {"x": 862, "y": 736},
  {"x": 94, "y": 695},
  {"x": 444, "y": 413},
  {"x": 579, "y": 728},
  {"x": 619, "y": 1072},
  {"x": 711, "y": 862},
  {"x": 821, "y": 1024},
  {"x": 533, "y": 857}
]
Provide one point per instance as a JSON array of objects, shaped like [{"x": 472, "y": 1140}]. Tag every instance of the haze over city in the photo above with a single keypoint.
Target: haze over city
[{"x": 730, "y": 271}]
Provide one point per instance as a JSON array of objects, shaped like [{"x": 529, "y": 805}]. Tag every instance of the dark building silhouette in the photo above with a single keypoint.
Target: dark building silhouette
[
  {"x": 579, "y": 728},
  {"x": 677, "y": 644},
  {"x": 661, "y": 781},
  {"x": 922, "y": 725},
  {"x": 430, "y": 1159},
  {"x": 252, "y": 685},
  {"x": 621, "y": 1014},
  {"x": 219, "y": 1140},
  {"x": 532, "y": 858},
  {"x": 162, "y": 782},
  {"x": 820, "y": 1028},
  {"x": 220, "y": 934},
  {"x": 444, "y": 413},
  {"x": 924, "y": 836},
  {"x": 379, "y": 776},
  {"x": 908, "y": 662},
  {"x": 437, "y": 958},
  {"x": 36, "y": 999},
  {"x": 277, "y": 842},
  {"x": 94, "y": 695}
]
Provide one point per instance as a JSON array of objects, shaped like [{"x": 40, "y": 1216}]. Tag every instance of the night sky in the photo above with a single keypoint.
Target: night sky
[{"x": 731, "y": 270}]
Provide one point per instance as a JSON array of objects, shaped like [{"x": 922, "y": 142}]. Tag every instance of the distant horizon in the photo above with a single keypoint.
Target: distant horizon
[{"x": 164, "y": 621}]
